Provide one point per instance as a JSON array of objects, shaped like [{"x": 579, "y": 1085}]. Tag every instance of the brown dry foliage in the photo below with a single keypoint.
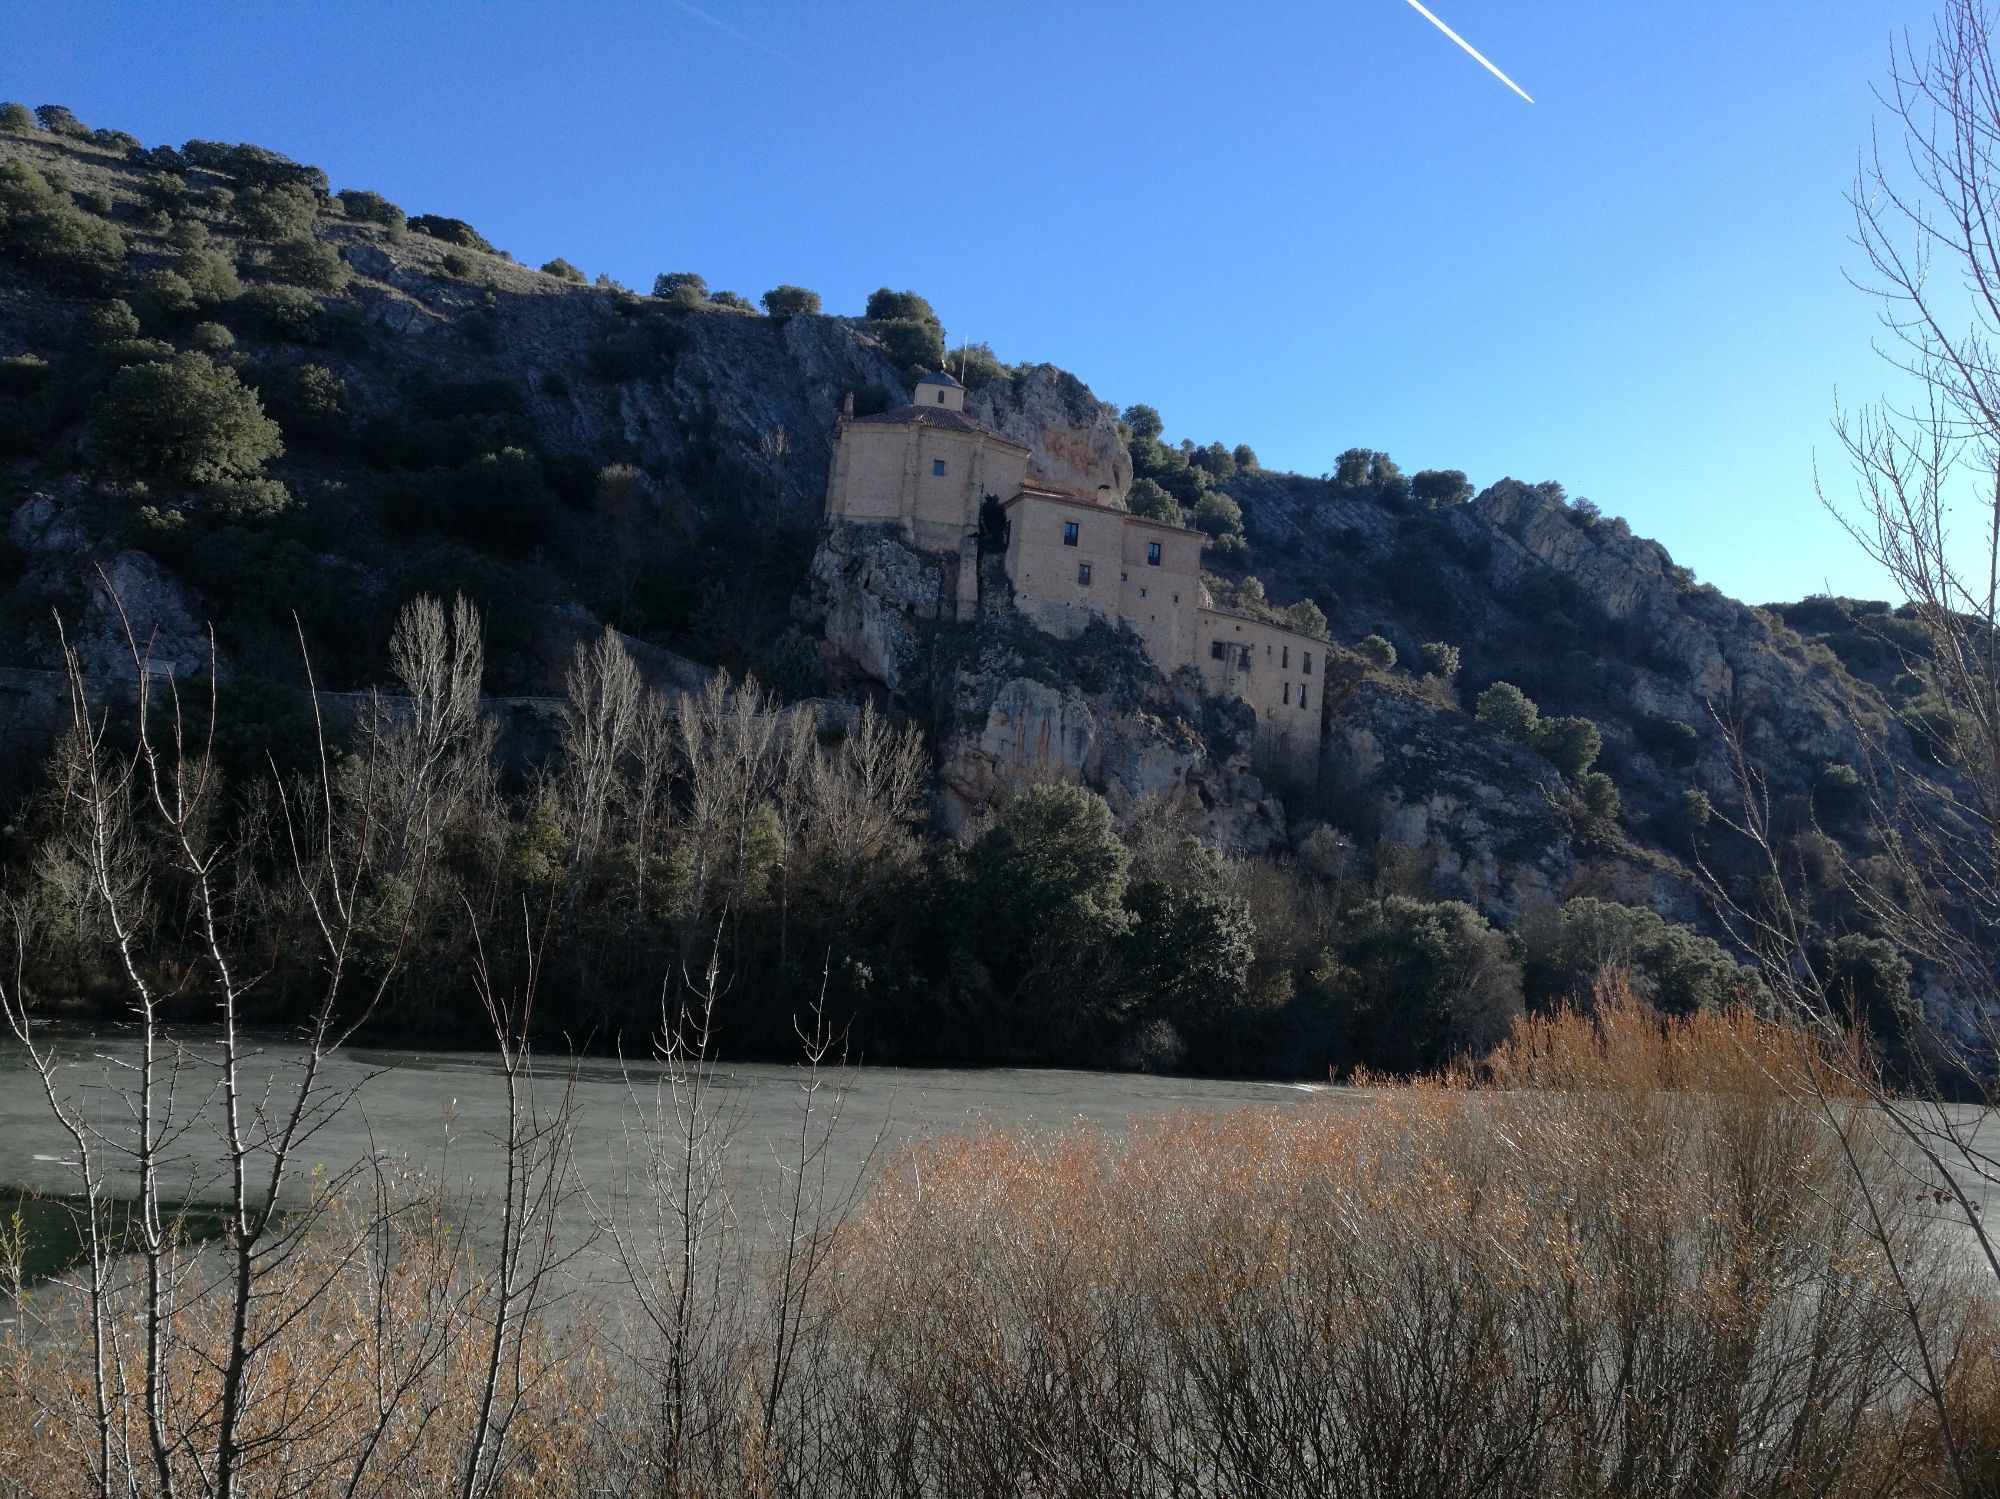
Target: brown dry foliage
[{"x": 1635, "y": 1258}]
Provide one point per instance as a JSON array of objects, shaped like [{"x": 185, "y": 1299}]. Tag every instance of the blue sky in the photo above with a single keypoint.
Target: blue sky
[{"x": 1304, "y": 227}]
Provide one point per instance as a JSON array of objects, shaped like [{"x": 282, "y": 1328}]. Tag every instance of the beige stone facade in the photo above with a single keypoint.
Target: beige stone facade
[{"x": 927, "y": 469}]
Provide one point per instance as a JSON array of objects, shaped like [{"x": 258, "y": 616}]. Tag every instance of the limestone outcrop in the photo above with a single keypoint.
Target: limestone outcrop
[{"x": 1074, "y": 436}]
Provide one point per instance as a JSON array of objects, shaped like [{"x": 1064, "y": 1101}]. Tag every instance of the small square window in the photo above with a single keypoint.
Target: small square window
[
  {"x": 1218, "y": 651},
  {"x": 1083, "y": 573},
  {"x": 937, "y": 467},
  {"x": 1177, "y": 598},
  {"x": 1152, "y": 554},
  {"x": 1069, "y": 533}
]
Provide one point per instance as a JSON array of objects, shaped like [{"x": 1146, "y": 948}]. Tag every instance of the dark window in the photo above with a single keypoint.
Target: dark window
[
  {"x": 1288, "y": 694},
  {"x": 940, "y": 399},
  {"x": 1083, "y": 573},
  {"x": 1069, "y": 533},
  {"x": 1309, "y": 662},
  {"x": 937, "y": 467},
  {"x": 1152, "y": 554},
  {"x": 1217, "y": 650},
  {"x": 1286, "y": 660},
  {"x": 1246, "y": 658},
  {"x": 1302, "y": 694},
  {"x": 1142, "y": 592}
]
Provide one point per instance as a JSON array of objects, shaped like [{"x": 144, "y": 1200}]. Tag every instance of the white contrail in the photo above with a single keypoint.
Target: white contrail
[
  {"x": 744, "y": 37},
  {"x": 1477, "y": 57}
]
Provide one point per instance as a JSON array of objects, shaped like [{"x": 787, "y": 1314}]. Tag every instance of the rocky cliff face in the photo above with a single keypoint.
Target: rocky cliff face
[
  {"x": 1073, "y": 434},
  {"x": 1009, "y": 706},
  {"x": 727, "y": 418}
]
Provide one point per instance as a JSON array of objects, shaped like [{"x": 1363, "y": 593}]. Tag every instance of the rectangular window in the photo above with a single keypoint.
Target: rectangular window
[
  {"x": 937, "y": 467},
  {"x": 1152, "y": 554},
  {"x": 1142, "y": 593},
  {"x": 940, "y": 399},
  {"x": 1218, "y": 651},
  {"x": 1286, "y": 660},
  {"x": 1246, "y": 658},
  {"x": 1302, "y": 694},
  {"x": 1083, "y": 573},
  {"x": 1309, "y": 662},
  {"x": 1069, "y": 533},
  {"x": 1288, "y": 694}
]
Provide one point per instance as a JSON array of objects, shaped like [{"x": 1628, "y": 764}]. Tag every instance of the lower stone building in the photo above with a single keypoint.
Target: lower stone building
[{"x": 930, "y": 470}]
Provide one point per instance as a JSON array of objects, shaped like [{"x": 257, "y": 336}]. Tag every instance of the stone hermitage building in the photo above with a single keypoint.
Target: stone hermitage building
[{"x": 928, "y": 469}]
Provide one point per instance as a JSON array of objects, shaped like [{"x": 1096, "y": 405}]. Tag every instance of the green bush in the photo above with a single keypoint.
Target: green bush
[
  {"x": 94, "y": 201},
  {"x": 370, "y": 208},
  {"x": 1309, "y": 619},
  {"x": 163, "y": 192},
  {"x": 211, "y": 338},
  {"x": 1439, "y": 660},
  {"x": 1377, "y": 652},
  {"x": 730, "y": 301},
  {"x": 42, "y": 230},
  {"x": 1508, "y": 710},
  {"x": 254, "y": 166},
  {"x": 976, "y": 366},
  {"x": 310, "y": 403},
  {"x": 57, "y": 120},
  {"x": 309, "y": 263},
  {"x": 455, "y": 265},
  {"x": 1147, "y": 499},
  {"x": 281, "y": 312},
  {"x": 1867, "y": 986},
  {"x": 452, "y": 232},
  {"x": 1440, "y": 487},
  {"x": 186, "y": 420},
  {"x": 1426, "y": 982},
  {"x": 210, "y": 274},
  {"x": 562, "y": 270},
  {"x": 791, "y": 301},
  {"x": 16, "y": 119},
  {"x": 187, "y": 234},
  {"x": 917, "y": 347},
  {"x": 1570, "y": 744},
  {"x": 23, "y": 374},
  {"x": 283, "y": 212},
  {"x": 246, "y": 499},
  {"x": 1678, "y": 970},
  {"x": 791, "y": 667},
  {"x": 908, "y": 329},
  {"x": 1246, "y": 457},
  {"x": 1192, "y": 941},
  {"x": 682, "y": 288},
  {"x": 107, "y": 322},
  {"x": 885, "y": 305},
  {"x": 168, "y": 296},
  {"x": 1600, "y": 795},
  {"x": 1218, "y": 515}
]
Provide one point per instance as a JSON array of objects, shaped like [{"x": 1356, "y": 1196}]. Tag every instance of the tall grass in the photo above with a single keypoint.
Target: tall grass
[{"x": 1634, "y": 1258}]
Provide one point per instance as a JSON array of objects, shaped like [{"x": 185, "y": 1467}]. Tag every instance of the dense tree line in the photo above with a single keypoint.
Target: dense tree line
[{"x": 793, "y": 846}]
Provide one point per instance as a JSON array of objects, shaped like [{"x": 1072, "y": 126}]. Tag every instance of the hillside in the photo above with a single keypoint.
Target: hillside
[{"x": 571, "y": 456}]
